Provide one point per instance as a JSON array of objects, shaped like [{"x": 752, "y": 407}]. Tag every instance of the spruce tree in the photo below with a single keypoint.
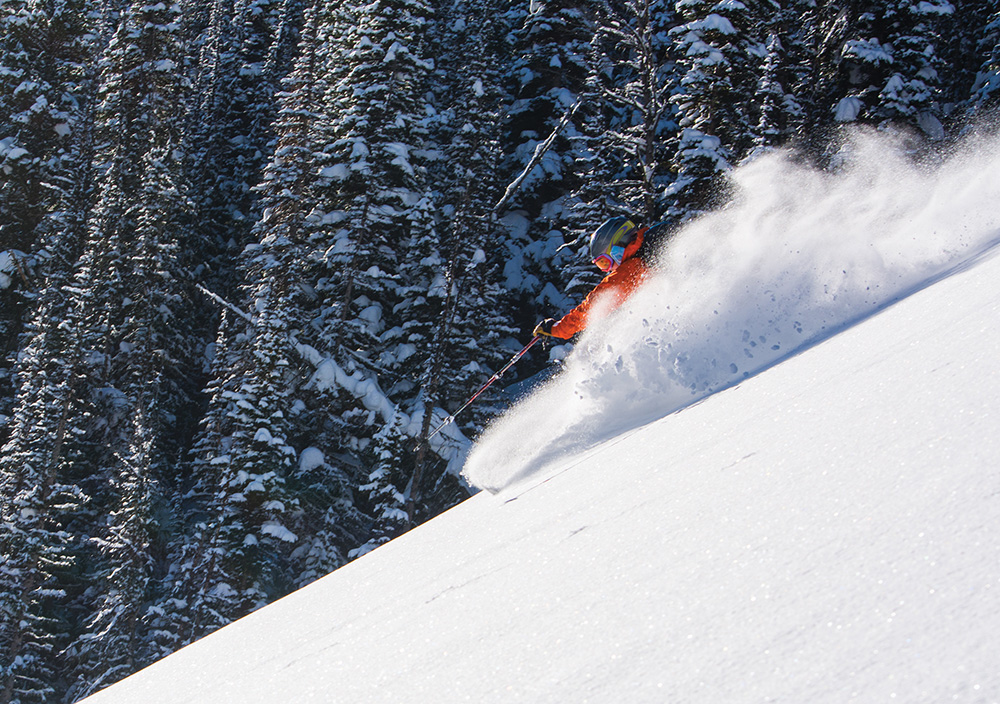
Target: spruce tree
[
  {"x": 376, "y": 215},
  {"x": 37, "y": 501},
  {"x": 779, "y": 112},
  {"x": 44, "y": 49},
  {"x": 716, "y": 48},
  {"x": 245, "y": 463},
  {"x": 192, "y": 599},
  {"x": 914, "y": 90},
  {"x": 631, "y": 77},
  {"x": 42, "y": 53},
  {"x": 986, "y": 88},
  {"x": 136, "y": 361},
  {"x": 112, "y": 641},
  {"x": 882, "y": 63},
  {"x": 546, "y": 77},
  {"x": 545, "y": 80}
]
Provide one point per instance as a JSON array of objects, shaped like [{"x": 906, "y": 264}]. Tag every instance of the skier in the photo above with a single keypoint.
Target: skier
[{"x": 621, "y": 249}]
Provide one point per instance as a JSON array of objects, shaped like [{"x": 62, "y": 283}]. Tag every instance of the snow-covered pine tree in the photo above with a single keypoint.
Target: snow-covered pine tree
[
  {"x": 37, "y": 492},
  {"x": 330, "y": 524},
  {"x": 219, "y": 171},
  {"x": 986, "y": 89},
  {"x": 103, "y": 359},
  {"x": 37, "y": 499},
  {"x": 778, "y": 110},
  {"x": 110, "y": 646},
  {"x": 268, "y": 38},
  {"x": 632, "y": 77},
  {"x": 42, "y": 52},
  {"x": 37, "y": 456},
  {"x": 375, "y": 184},
  {"x": 545, "y": 78},
  {"x": 886, "y": 62},
  {"x": 244, "y": 455},
  {"x": 38, "y": 554},
  {"x": 388, "y": 487},
  {"x": 374, "y": 232},
  {"x": 44, "y": 48},
  {"x": 252, "y": 508},
  {"x": 136, "y": 361},
  {"x": 245, "y": 50},
  {"x": 233, "y": 555},
  {"x": 192, "y": 599},
  {"x": 43, "y": 500},
  {"x": 470, "y": 339},
  {"x": 914, "y": 91},
  {"x": 451, "y": 286},
  {"x": 804, "y": 115},
  {"x": 716, "y": 48}
]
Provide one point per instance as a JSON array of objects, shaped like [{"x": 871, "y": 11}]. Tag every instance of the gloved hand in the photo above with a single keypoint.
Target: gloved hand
[{"x": 544, "y": 328}]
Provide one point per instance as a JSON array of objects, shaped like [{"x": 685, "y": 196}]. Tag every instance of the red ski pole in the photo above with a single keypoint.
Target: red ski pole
[{"x": 488, "y": 384}]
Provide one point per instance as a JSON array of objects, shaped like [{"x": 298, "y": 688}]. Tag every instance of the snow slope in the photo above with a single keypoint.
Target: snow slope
[{"x": 826, "y": 528}]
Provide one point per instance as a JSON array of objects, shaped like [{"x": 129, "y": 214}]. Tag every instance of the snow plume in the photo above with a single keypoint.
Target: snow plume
[{"x": 796, "y": 256}]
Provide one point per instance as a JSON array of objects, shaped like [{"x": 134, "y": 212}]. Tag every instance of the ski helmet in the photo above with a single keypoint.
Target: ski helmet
[{"x": 616, "y": 232}]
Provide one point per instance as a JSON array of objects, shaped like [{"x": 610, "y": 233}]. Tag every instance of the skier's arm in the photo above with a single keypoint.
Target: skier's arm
[{"x": 615, "y": 289}]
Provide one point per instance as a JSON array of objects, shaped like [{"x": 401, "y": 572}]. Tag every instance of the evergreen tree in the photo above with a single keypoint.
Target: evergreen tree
[
  {"x": 192, "y": 599},
  {"x": 42, "y": 51},
  {"x": 110, "y": 646},
  {"x": 779, "y": 112},
  {"x": 37, "y": 553},
  {"x": 37, "y": 500},
  {"x": 885, "y": 62},
  {"x": 375, "y": 195},
  {"x": 38, "y": 493},
  {"x": 375, "y": 222},
  {"x": 716, "y": 48},
  {"x": 252, "y": 506},
  {"x": 44, "y": 48},
  {"x": 986, "y": 89},
  {"x": 631, "y": 77},
  {"x": 244, "y": 457},
  {"x": 246, "y": 50},
  {"x": 914, "y": 89},
  {"x": 547, "y": 76},
  {"x": 450, "y": 282},
  {"x": 389, "y": 485},
  {"x": 135, "y": 363}
]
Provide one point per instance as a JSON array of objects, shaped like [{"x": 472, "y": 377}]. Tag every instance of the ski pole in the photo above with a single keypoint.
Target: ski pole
[{"x": 488, "y": 384}]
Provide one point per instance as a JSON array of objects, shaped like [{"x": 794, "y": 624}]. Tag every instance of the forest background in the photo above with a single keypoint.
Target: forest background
[{"x": 249, "y": 258}]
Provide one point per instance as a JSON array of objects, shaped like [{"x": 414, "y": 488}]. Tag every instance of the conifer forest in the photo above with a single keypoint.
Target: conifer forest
[{"x": 251, "y": 256}]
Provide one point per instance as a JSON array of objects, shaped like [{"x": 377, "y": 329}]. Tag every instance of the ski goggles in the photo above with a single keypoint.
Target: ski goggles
[{"x": 610, "y": 260}]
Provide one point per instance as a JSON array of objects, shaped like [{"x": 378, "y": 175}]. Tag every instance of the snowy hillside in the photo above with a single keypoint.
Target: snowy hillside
[{"x": 818, "y": 523}]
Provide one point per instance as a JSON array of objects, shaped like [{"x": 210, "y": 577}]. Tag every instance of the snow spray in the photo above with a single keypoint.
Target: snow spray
[{"x": 796, "y": 256}]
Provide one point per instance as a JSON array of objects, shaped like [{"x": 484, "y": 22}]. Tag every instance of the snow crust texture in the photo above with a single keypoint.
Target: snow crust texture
[{"x": 797, "y": 256}]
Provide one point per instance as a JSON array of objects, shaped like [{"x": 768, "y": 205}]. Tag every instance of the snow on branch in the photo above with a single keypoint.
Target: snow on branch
[{"x": 540, "y": 150}]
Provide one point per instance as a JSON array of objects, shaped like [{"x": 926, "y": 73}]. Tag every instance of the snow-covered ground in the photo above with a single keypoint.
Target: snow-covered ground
[{"x": 820, "y": 523}]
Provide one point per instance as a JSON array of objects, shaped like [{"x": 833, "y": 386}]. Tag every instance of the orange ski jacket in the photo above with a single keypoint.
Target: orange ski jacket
[{"x": 613, "y": 290}]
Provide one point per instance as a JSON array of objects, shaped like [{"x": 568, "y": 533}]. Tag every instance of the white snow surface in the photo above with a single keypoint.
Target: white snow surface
[{"x": 820, "y": 525}]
